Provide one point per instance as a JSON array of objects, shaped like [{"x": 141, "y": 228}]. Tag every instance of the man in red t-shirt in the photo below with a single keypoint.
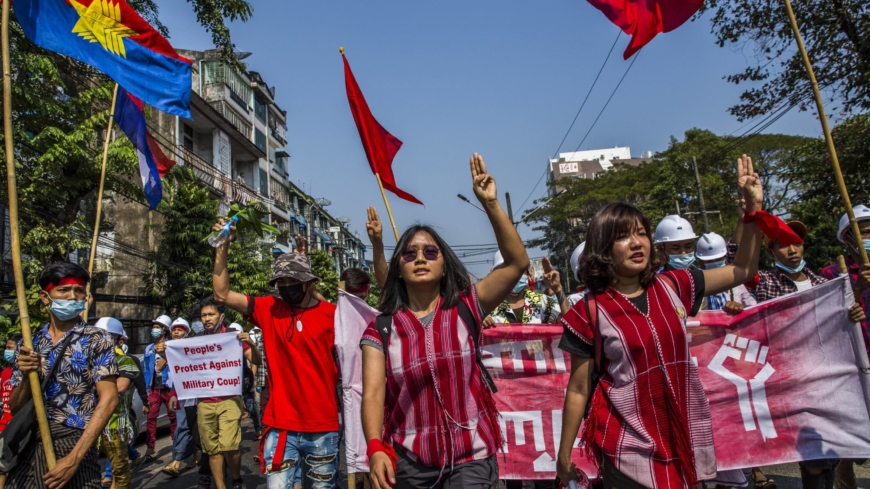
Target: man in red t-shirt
[{"x": 299, "y": 337}]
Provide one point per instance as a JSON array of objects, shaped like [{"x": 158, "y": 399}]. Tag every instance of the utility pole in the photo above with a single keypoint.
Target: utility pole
[
  {"x": 700, "y": 196},
  {"x": 507, "y": 197}
]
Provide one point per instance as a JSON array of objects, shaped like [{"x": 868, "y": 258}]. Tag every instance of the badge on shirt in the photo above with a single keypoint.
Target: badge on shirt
[{"x": 681, "y": 312}]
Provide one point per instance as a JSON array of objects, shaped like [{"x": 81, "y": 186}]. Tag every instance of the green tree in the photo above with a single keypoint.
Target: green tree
[
  {"x": 181, "y": 271},
  {"x": 837, "y": 36},
  {"x": 374, "y": 290},
  {"x": 323, "y": 266}
]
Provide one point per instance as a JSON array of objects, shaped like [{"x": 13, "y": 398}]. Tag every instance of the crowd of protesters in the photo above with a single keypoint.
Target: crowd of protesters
[{"x": 421, "y": 360}]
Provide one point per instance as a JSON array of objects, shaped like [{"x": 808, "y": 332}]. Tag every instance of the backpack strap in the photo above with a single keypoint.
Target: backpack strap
[
  {"x": 474, "y": 329},
  {"x": 592, "y": 314},
  {"x": 384, "y": 323}
]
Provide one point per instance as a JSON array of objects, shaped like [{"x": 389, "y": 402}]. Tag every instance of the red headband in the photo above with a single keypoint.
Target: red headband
[
  {"x": 360, "y": 290},
  {"x": 66, "y": 281}
]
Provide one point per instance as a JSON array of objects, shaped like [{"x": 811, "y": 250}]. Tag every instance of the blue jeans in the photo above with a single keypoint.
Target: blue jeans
[
  {"x": 314, "y": 455},
  {"x": 182, "y": 446},
  {"x": 131, "y": 452},
  {"x": 253, "y": 412}
]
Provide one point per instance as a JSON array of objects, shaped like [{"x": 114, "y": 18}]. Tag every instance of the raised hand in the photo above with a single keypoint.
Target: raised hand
[
  {"x": 301, "y": 245},
  {"x": 482, "y": 182},
  {"x": 374, "y": 227},
  {"x": 219, "y": 226},
  {"x": 552, "y": 279},
  {"x": 749, "y": 184}
]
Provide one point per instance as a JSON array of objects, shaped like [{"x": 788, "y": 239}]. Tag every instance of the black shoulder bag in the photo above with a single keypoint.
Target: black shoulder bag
[
  {"x": 23, "y": 429},
  {"x": 384, "y": 323}
]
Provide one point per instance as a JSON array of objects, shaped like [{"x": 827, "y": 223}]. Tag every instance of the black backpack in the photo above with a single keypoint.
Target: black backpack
[{"x": 384, "y": 323}]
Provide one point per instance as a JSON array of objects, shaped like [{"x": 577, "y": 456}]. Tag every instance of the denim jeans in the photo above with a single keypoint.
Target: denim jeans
[
  {"x": 313, "y": 456},
  {"x": 182, "y": 445},
  {"x": 253, "y": 411}
]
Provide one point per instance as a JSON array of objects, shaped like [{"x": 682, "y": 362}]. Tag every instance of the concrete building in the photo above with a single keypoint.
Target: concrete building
[
  {"x": 236, "y": 144},
  {"x": 590, "y": 163}
]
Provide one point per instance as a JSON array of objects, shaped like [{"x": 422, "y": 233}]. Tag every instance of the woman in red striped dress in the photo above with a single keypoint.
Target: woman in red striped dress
[
  {"x": 648, "y": 422},
  {"x": 428, "y": 416}
]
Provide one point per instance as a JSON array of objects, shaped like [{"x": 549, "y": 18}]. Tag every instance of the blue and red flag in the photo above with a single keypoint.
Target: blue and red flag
[
  {"x": 153, "y": 163},
  {"x": 110, "y": 36}
]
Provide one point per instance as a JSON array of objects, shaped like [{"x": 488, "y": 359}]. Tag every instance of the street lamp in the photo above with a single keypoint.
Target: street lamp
[{"x": 464, "y": 198}]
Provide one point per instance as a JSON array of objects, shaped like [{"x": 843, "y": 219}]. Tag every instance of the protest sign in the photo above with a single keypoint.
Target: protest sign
[{"x": 206, "y": 366}]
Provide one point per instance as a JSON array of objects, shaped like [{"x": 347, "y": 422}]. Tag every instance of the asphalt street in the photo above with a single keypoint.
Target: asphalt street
[{"x": 148, "y": 476}]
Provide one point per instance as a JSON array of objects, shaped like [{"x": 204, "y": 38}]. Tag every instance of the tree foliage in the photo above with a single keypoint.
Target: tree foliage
[
  {"x": 323, "y": 266},
  {"x": 837, "y": 37}
]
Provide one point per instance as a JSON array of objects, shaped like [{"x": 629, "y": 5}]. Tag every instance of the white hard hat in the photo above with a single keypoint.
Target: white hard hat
[
  {"x": 575, "y": 260},
  {"x": 497, "y": 260},
  {"x": 674, "y": 228},
  {"x": 163, "y": 320},
  {"x": 862, "y": 213},
  {"x": 236, "y": 327},
  {"x": 124, "y": 334},
  {"x": 181, "y": 322},
  {"x": 111, "y": 325},
  {"x": 711, "y": 246}
]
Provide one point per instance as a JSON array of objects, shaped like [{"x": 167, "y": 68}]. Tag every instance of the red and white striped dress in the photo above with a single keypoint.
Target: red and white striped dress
[
  {"x": 437, "y": 407},
  {"x": 649, "y": 416}
]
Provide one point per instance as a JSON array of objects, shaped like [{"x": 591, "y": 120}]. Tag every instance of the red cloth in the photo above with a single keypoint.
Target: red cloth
[
  {"x": 379, "y": 144},
  {"x": 649, "y": 415},
  {"x": 303, "y": 374},
  {"x": 437, "y": 407},
  {"x": 245, "y": 347},
  {"x": 5, "y": 394},
  {"x": 644, "y": 19},
  {"x": 774, "y": 228}
]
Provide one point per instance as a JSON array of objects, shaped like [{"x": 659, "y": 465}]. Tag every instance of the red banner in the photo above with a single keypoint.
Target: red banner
[{"x": 787, "y": 380}]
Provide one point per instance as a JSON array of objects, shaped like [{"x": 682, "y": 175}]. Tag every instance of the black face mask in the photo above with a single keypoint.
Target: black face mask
[{"x": 292, "y": 294}]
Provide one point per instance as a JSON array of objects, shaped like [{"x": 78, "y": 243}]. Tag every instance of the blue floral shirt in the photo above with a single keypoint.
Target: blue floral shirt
[{"x": 71, "y": 396}]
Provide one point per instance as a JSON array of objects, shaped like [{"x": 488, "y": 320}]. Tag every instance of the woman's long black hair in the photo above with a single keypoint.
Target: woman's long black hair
[{"x": 455, "y": 281}]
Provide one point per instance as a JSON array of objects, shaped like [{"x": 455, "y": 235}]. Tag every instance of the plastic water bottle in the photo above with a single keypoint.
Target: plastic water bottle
[{"x": 215, "y": 240}]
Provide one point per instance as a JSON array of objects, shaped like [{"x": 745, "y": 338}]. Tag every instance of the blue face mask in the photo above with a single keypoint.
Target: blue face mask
[
  {"x": 522, "y": 285},
  {"x": 156, "y": 333},
  {"x": 66, "y": 310},
  {"x": 715, "y": 264},
  {"x": 681, "y": 262},
  {"x": 866, "y": 245},
  {"x": 9, "y": 355},
  {"x": 796, "y": 269}
]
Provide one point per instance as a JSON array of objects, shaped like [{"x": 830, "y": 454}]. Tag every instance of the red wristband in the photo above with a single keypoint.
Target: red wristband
[
  {"x": 748, "y": 218},
  {"x": 374, "y": 446}
]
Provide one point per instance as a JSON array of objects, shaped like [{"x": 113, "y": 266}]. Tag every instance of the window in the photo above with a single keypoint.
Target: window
[
  {"x": 187, "y": 141},
  {"x": 240, "y": 91},
  {"x": 260, "y": 140},
  {"x": 264, "y": 183},
  {"x": 260, "y": 110}
]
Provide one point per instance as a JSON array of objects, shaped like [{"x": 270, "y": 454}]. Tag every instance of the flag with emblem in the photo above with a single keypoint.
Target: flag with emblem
[{"x": 110, "y": 36}]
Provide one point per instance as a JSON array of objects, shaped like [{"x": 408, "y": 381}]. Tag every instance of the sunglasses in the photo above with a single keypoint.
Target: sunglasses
[{"x": 430, "y": 252}]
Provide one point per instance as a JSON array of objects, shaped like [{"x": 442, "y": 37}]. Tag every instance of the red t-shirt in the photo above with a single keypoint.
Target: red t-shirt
[
  {"x": 5, "y": 394},
  {"x": 245, "y": 347},
  {"x": 302, "y": 371}
]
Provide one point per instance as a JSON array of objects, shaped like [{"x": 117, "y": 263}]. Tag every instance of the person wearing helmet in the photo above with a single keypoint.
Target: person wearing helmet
[
  {"x": 119, "y": 430},
  {"x": 525, "y": 306},
  {"x": 182, "y": 446},
  {"x": 859, "y": 276},
  {"x": 156, "y": 381},
  {"x": 711, "y": 251},
  {"x": 675, "y": 239}
]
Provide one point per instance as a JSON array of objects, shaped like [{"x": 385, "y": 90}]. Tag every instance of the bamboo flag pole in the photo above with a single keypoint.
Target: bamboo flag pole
[
  {"x": 835, "y": 162},
  {"x": 387, "y": 203},
  {"x": 24, "y": 317},
  {"x": 100, "y": 195}
]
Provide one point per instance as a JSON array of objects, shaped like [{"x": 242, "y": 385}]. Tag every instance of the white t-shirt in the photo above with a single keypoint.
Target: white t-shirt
[
  {"x": 803, "y": 285},
  {"x": 575, "y": 298}
]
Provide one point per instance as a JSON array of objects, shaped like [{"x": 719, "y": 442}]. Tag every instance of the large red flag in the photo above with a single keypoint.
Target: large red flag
[
  {"x": 644, "y": 19},
  {"x": 380, "y": 145}
]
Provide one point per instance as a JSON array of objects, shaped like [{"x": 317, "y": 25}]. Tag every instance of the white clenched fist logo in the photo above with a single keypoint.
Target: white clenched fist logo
[{"x": 751, "y": 394}]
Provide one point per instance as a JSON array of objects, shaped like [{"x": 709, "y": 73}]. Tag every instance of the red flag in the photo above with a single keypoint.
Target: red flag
[
  {"x": 644, "y": 19},
  {"x": 379, "y": 144}
]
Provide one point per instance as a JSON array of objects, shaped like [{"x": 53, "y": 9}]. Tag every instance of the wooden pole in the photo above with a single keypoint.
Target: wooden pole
[
  {"x": 20, "y": 293},
  {"x": 387, "y": 203},
  {"x": 842, "y": 262},
  {"x": 835, "y": 162},
  {"x": 100, "y": 195}
]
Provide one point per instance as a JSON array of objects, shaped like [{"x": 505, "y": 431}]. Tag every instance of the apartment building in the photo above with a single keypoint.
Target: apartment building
[{"x": 590, "y": 163}]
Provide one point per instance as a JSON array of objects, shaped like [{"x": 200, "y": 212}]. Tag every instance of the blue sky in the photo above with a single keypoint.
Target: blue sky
[{"x": 503, "y": 78}]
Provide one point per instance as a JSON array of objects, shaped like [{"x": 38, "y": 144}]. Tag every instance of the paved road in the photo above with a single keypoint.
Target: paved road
[{"x": 149, "y": 476}]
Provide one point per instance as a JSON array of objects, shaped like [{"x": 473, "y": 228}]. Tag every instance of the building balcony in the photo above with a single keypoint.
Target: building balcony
[
  {"x": 281, "y": 139},
  {"x": 237, "y": 120},
  {"x": 219, "y": 183}
]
